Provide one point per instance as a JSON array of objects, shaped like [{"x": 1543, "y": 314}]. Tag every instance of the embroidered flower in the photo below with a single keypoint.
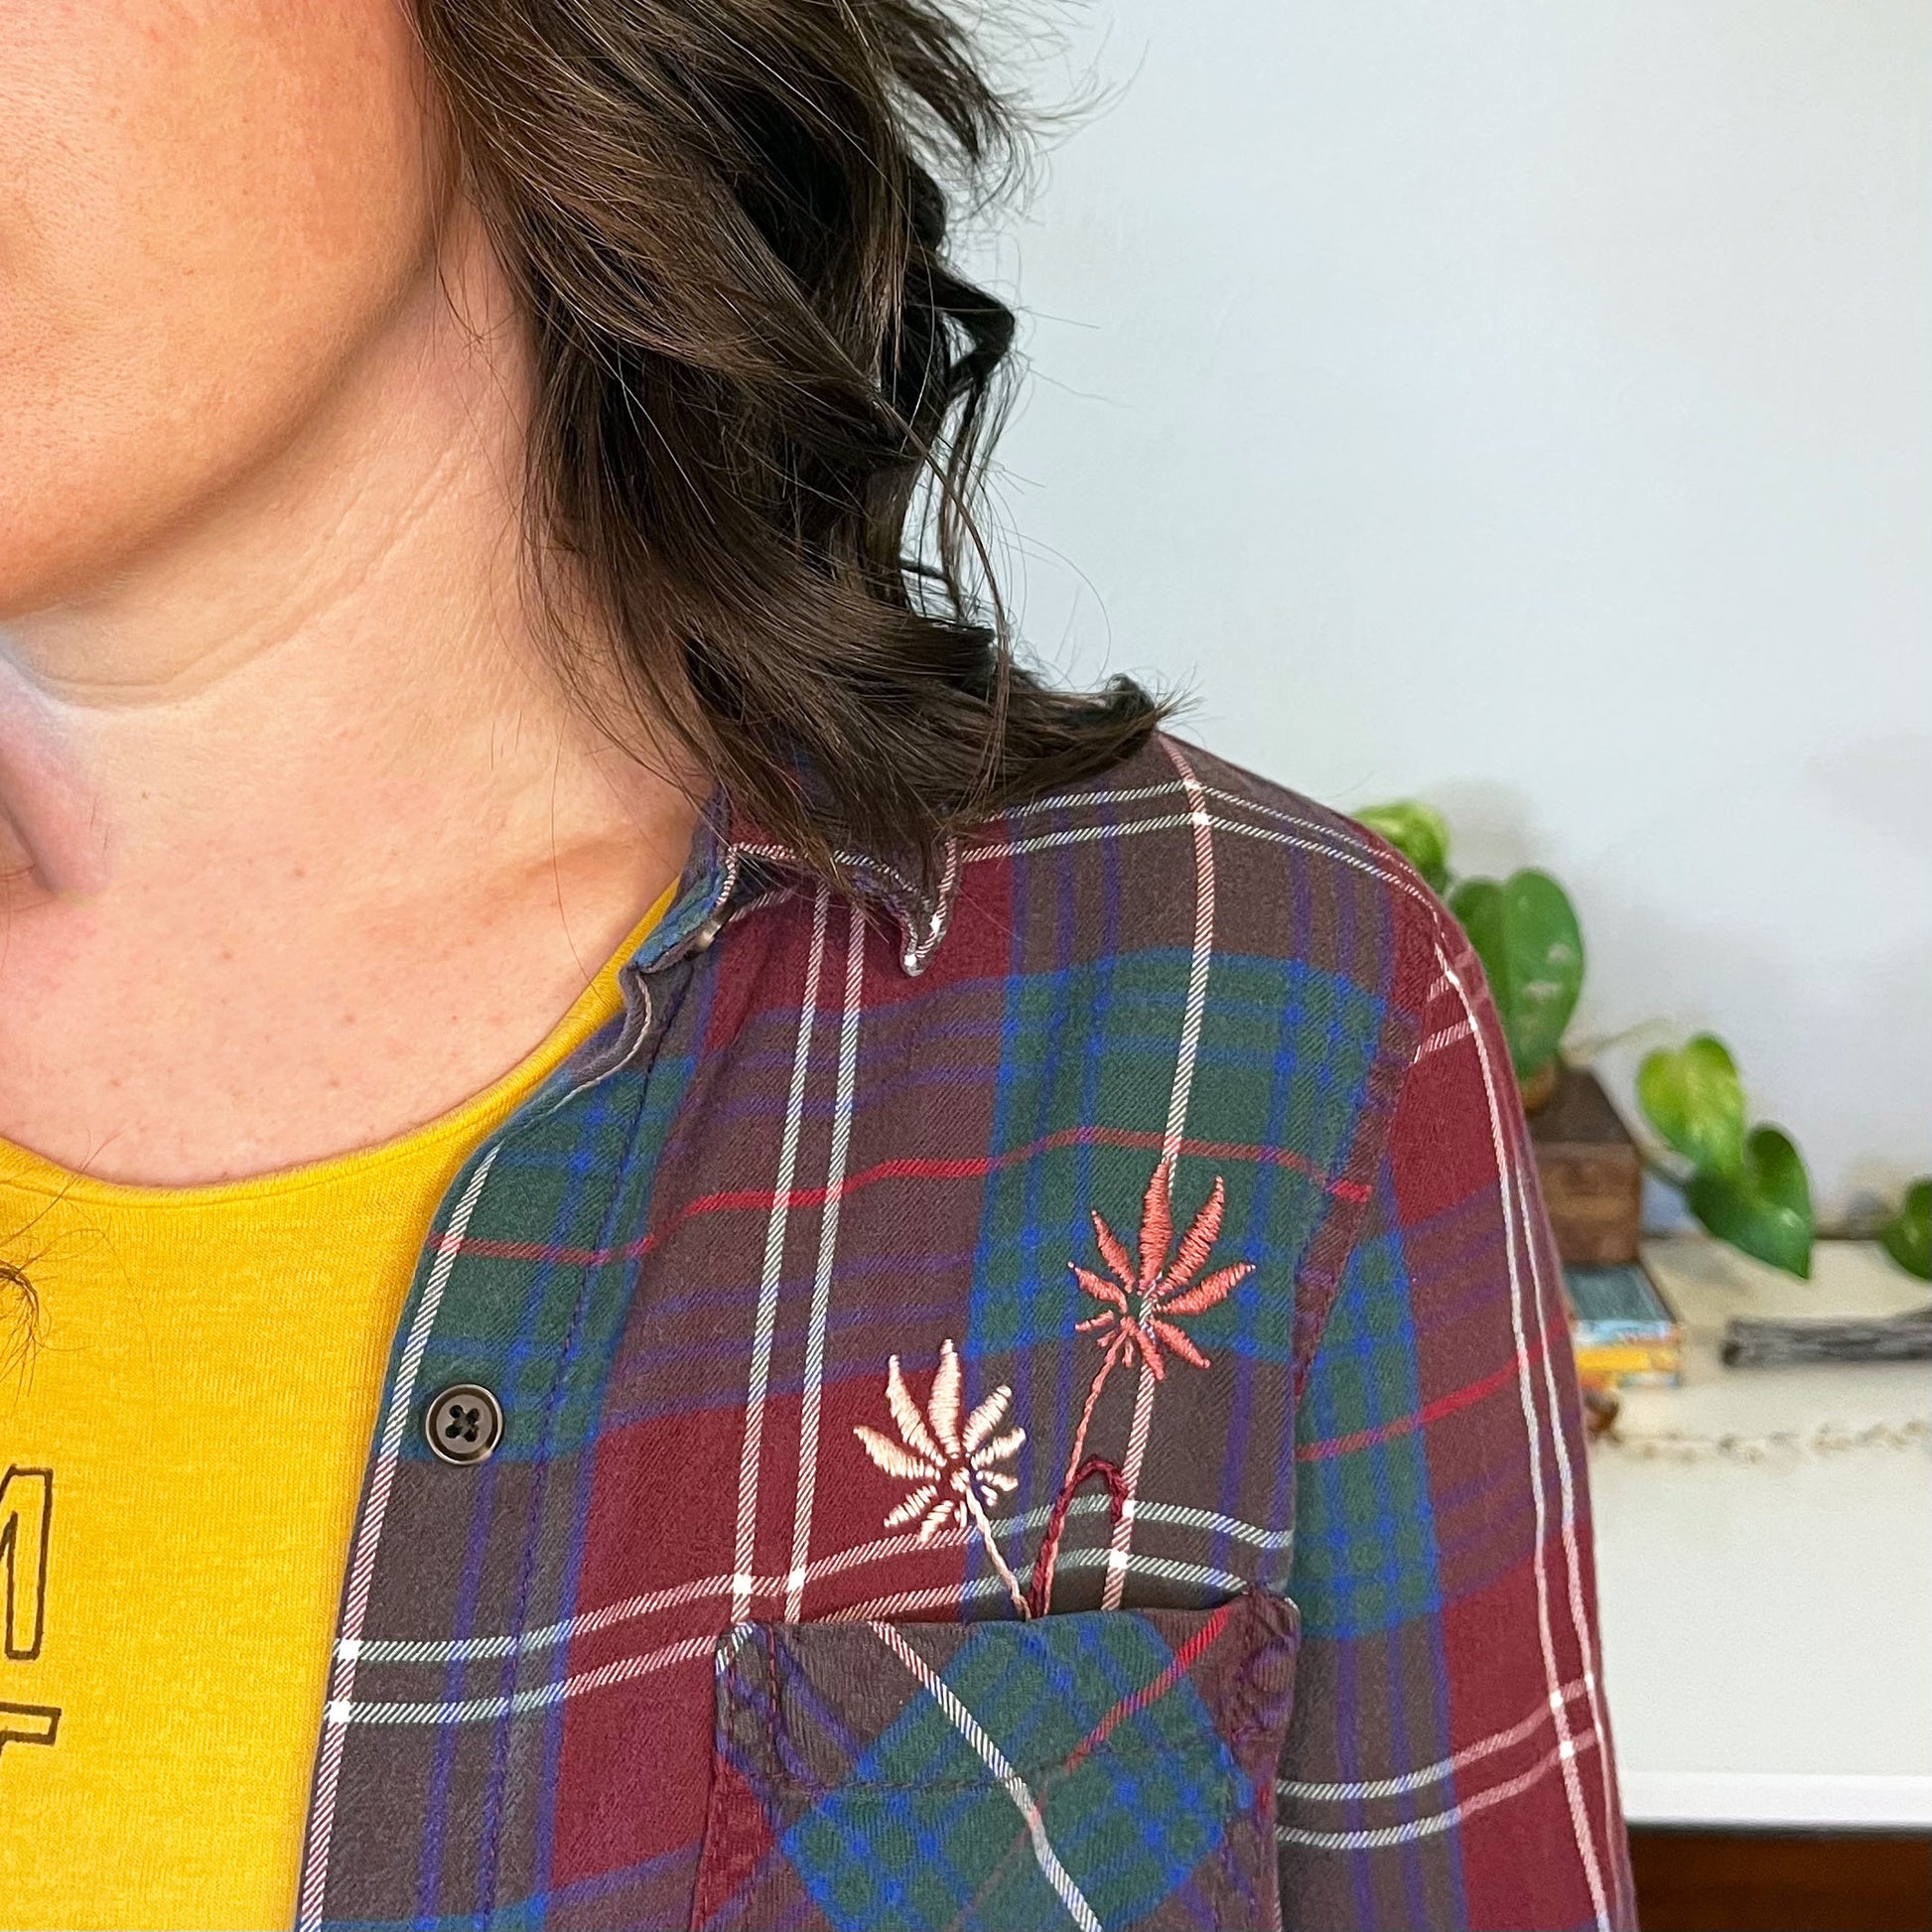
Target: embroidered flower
[
  {"x": 1141, "y": 1302},
  {"x": 953, "y": 1466}
]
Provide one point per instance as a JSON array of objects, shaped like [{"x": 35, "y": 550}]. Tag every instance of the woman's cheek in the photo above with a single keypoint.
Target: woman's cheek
[{"x": 204, "y": 210}]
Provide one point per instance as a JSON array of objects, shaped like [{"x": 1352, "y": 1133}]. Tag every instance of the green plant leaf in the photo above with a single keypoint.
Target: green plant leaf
[
  {"x": 1524, "y": 932},
  {"x": 1417, "y": 831},
  {"x": 1765, "y": 1208},
  {"x": 1908, "y": 1234},
  {"x": 1694, "y": 1098}
]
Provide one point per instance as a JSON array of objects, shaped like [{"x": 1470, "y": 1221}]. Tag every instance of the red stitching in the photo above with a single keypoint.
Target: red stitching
[{"x": 1041, "y": 1592}]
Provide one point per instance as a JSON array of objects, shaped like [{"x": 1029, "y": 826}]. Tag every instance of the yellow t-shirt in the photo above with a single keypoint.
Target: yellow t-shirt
[{"x": 181, "y": 1449}]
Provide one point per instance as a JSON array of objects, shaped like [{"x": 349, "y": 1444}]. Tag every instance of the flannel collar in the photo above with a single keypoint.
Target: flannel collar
[{"x": 731, "y": 862}]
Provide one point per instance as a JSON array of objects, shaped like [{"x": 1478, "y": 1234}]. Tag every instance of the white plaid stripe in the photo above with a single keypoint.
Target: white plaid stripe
[
  {"x": 393, "y": 1650},
  {"x": 487, "y": 1710},
  {"x": 1443, "y": 1768},
  {"x": 1515, "y": 1236},
  {"x": 970, "y": 1729},
  {"x": 828, "y": 1240},
  {"x": 1447, "y": 1820},
  {"x": 744, "y": 1549},
  {"x": 1186, "y": 1055}
]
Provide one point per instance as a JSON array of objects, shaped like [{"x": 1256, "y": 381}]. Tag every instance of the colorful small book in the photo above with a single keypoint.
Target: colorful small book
[{"x": 1623, "y": 1332}]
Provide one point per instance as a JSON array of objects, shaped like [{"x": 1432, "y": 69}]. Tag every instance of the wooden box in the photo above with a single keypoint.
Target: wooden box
[{"x": 1592, "y": 1178}]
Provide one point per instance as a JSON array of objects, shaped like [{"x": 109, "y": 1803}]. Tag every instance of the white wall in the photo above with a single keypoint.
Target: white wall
[{"x": 1529, "y": 407}]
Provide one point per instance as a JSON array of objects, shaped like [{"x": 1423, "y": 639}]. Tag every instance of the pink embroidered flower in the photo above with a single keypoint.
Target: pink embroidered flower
[
  {"x": 951, "y": 1465},
  {"x": 1141, "y": 1301}
]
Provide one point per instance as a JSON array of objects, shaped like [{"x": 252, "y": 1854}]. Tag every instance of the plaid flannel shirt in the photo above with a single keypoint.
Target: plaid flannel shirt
[{"x": 1044, "y": 1403}]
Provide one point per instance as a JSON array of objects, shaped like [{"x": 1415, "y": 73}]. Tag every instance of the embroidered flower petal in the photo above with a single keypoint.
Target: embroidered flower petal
[
  {"x": 905, "y": 1412},
  {"x": 1207, "y": 1291},
  {"x": 1199, "y": 1242},
  {"x": 895, "y": 1461},
  {"x": 1098, "y": 1286},
  {"x": 1150, "y": 1355},
  {"x": 1177, "y": 1339},
  {"x": 942, "y": 1408},
  {"x": 1113, "y": 1251},
  {"x": 982, "y": 1421},
  {"x": 1157, "y": 1225},
  {"x": 1000, "y": 1448},
  {"x": 912, "y": 1506}
]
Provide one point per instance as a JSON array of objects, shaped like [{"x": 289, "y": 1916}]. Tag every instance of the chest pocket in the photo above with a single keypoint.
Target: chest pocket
[{"x": 1100, "y": 1769}]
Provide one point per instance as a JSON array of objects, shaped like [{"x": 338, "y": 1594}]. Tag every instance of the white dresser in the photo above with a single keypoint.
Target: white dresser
[{"x": 1764, "y": 1556}]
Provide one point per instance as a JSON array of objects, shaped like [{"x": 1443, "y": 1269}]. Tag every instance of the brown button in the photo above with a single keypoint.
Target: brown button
[{"x": 464, "y": 1424}]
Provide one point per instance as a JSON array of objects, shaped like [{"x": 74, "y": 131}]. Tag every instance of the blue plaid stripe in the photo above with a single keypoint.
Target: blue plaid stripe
[{"x": 1364, "y": 1531}]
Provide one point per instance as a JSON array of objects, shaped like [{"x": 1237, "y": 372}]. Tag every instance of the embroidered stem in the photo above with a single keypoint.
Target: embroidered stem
[
  {"x": 1115, "y": 1349},
  {"x": 1012, "y": 1582},
  {"x": 1041, "y": 1592}
]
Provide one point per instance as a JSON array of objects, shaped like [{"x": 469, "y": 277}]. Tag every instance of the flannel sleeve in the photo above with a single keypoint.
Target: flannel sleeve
[{"x": 1450, "y": 1762}]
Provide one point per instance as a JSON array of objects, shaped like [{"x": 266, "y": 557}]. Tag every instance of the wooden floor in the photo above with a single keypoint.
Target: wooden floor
[{"x": 1753, "y": 1882}]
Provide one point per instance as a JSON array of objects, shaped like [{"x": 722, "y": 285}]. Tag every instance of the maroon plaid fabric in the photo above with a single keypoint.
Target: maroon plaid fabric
[{"x": 917, "y": 1322}]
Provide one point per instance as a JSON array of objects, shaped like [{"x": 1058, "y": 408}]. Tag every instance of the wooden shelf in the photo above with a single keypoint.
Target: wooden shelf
[{"x": 1785, "y": 1881}]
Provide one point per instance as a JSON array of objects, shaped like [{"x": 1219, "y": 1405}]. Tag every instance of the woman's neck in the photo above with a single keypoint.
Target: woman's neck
[{"x": 330, "y": 649}]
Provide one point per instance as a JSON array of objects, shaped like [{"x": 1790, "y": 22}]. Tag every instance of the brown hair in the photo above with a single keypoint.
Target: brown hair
[
  {"x": 20, "y": 1316},
  {"x": 727, "y": 222}
]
